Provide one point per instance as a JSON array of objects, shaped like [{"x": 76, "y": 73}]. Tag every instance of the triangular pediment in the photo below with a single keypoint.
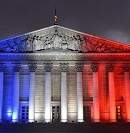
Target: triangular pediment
[{"x": 57, "y": 38}]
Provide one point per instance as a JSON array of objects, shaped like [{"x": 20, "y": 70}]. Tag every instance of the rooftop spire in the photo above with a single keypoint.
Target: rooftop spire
[{"x": 55, "y": 18}]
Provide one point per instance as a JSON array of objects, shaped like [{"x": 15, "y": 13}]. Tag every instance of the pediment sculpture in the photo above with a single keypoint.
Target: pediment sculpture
[{"x": 57, "y": 39}]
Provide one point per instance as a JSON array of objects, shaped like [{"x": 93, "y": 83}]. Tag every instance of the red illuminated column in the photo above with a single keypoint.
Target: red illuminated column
[
  {"x": 2, "y": 68},
  {"x": 127, "y": 90},
  {"x": 48, "y": 67},
  {"x": 31, "y": 117},
  {"x": 64, "y": 68},
  {"x": 79, "y": 67},
  {"x": 110, "y": 69},
  {"x": 15, "y": 108},
  {"x": 96, "y": 107}
]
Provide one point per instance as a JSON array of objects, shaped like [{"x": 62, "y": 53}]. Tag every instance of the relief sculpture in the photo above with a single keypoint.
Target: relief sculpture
[{"x": 59, "y": 40}]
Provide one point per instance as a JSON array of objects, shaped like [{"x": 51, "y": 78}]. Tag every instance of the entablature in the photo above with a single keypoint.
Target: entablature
[{"x": 64, "y": 57}]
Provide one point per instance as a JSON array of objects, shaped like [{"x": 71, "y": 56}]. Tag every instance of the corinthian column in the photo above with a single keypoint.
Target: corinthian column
[
  {"x": 95, "y": 86},
  {"x": 64, "y": 68},
  {"x": 48, "y": 67},
  {"x": 2, "y": 68},
  {"x": 32, "y": 68},
  {"x": 79, "y": 67},
  {"x": 127, "y": 90},
  {"x": 15, "y": 115},
  {"x": 110, "y": 69}
]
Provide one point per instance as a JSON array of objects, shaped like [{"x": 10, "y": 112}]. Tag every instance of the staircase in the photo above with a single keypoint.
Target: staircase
[{"x": 64, "y": 128}]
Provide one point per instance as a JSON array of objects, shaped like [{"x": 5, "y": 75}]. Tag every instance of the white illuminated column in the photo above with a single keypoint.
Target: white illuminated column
[
  {"x": 31, "y": 117},
  {"x": 79, "y": 67},
  {"x": 127, "y": 90},
  {"x": 95, "y": 86},
  {"x": 15, "y": 108},
  {"x": 48, "y": 67},
  {"x": 2, "y": 67},
  {"x": 112, "y": 106},
  {"x": 64, "y": 67}
]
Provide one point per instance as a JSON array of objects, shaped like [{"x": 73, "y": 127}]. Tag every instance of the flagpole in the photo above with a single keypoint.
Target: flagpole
[{"x": 55, "y": 17}]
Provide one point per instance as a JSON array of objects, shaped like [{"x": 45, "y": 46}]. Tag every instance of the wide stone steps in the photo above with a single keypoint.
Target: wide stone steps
[{"x": 64, "y": 128}]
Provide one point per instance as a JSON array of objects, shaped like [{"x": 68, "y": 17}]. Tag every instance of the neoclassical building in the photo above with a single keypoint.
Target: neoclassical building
[{"x": 61, "y": 75}]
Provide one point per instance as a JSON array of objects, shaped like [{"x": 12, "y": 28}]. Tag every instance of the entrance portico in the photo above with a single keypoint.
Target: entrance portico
[{"x": 61, "y": 75}]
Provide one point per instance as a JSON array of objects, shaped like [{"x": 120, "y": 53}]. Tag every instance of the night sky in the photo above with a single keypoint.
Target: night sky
[{"x": 104, "y": 18}]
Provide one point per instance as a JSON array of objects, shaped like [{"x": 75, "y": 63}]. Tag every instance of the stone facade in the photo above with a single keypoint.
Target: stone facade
[{"x": 61, "y": 75}]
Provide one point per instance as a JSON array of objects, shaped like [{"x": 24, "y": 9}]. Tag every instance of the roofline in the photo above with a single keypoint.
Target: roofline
[{"x": 85, "y": 34}]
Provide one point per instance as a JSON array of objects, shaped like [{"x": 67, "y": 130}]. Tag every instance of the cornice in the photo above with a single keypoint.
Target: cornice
[{"x": 64, "y": 57}]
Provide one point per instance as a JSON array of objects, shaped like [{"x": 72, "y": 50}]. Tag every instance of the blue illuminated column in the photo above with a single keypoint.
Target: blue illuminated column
[
  {"x": 15, "y": 107},
  {"x": 79, "y": 67},
  {"x": 2, "y": 68},
  {"x": 48, "y": 67},
  {"x": 112, "y": 105},
  {"x": 95, "y": 88},
  {"x": 32, "y": 68},
  {"x": 64, "y": 68}
]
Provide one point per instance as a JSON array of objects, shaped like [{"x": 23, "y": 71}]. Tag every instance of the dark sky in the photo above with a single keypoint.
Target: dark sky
[{"x": 105, "y": 18}]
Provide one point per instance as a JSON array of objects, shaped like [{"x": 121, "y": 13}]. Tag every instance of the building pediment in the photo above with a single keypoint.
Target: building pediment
[{"x": 57, "y": 38}]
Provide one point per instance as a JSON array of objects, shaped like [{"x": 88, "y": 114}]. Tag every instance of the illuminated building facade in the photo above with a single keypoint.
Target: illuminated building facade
[{"x": 60, "y": 75}]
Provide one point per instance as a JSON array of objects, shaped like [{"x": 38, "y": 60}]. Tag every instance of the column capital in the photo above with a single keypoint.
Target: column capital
[
  {"x": 125, "y": 67},
  {"x": 32, "y": 67},
  {"x": 79, "y": 67},
  {"x": 2, "y": 67},
  {"x": 95, "y": 67},
  {"x": 48, "y": 67},
  {"x": 64, "y": 67},
  {"x": 110, "y": 67},
  {"x": 16, "y": 67}
]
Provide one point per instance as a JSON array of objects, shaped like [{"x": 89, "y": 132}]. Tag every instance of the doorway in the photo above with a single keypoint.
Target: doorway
[
  {"x": 55, "y": 114},
  {"x": 87, "y": 114},
  {"x": 24, "y": 113},
  {"x": 118, "y": 113}
]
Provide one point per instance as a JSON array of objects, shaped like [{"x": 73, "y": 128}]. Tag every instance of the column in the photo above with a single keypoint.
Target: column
[
  {"x": 32, "y": 68},
  {"x": 2, "y": 68},
  {"x": 15, "y": 107},
  {"x": 48, "y": 67},
  {"x": 79, "y": 68},
  {"x": 64, "y": 68},
  {"x": 125, "y": 68},
  {"x": 110, "y": 69},
  {"x": 95, "y": 88}
]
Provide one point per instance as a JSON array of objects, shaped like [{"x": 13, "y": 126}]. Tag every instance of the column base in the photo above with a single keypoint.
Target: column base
[
  {"x": 128, "y": 120},
  {"x": 80, "y": 120},
  {"x": 96, "y": 120},
  {"x": 15, "y": 120},
  {"x": 64, "y": 120},
  {"x": 47, "y": 120},
  {"x": 113, "y": 120},
  {"x": 31, "y": 120}
]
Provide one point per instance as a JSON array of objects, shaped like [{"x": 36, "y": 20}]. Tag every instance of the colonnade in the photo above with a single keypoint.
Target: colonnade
[{"x": 64, "y": 67}]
